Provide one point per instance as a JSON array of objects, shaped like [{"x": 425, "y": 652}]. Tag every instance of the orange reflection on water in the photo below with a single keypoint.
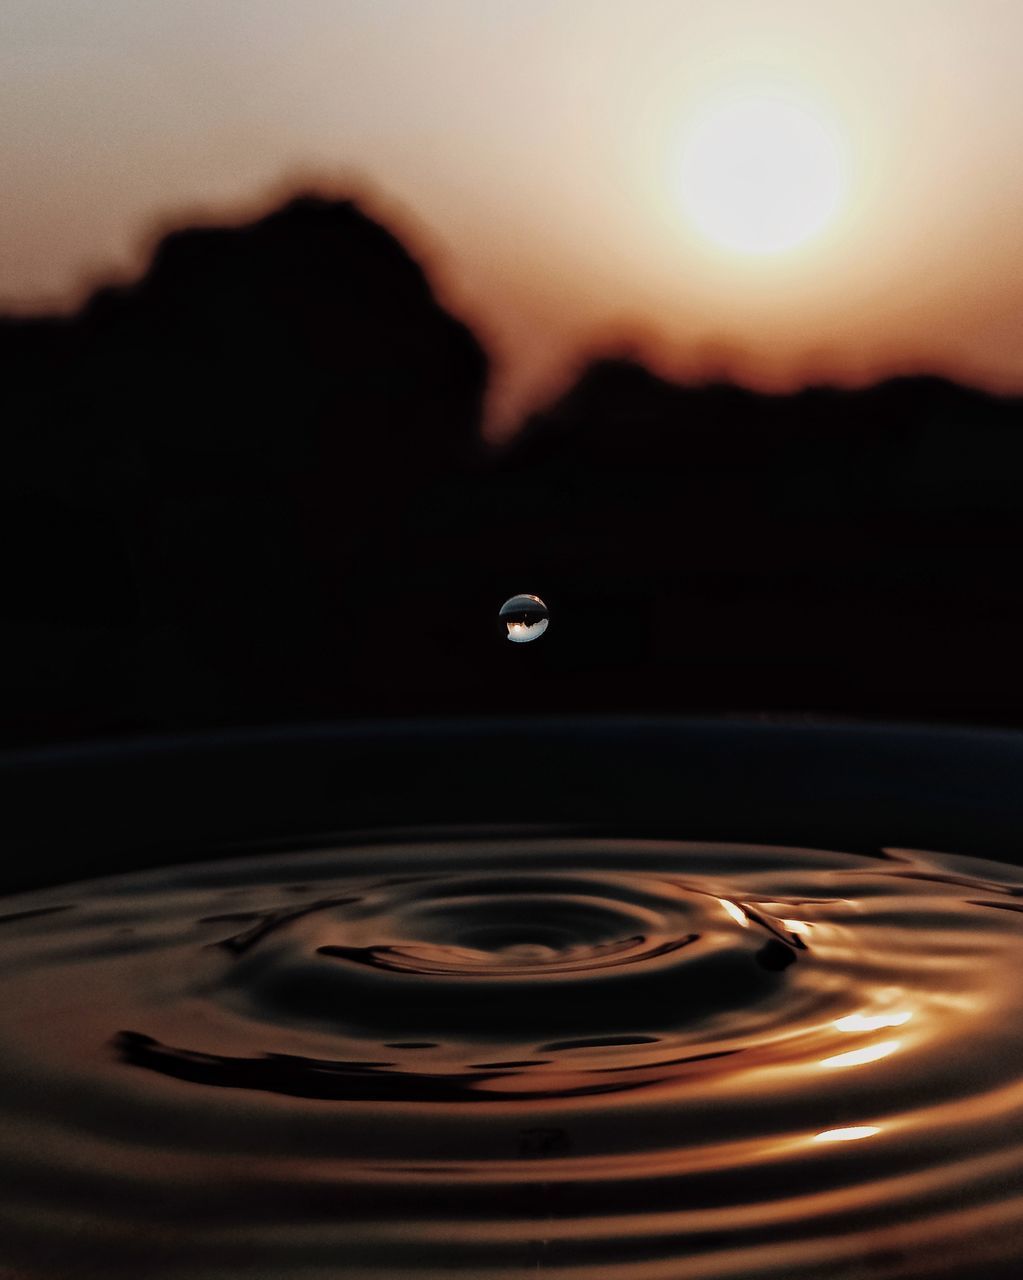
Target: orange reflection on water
[
  {"x": 852, "y": 1134},
  {"x": 796, "y": 926},
  {"x": 872, "y": 1021},
  {"x": 735, "y": 912},
  {"x": 857, "y": 1057}
]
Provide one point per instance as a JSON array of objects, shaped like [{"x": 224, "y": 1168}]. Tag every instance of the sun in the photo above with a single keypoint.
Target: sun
[{"x": 761, "y": 175}]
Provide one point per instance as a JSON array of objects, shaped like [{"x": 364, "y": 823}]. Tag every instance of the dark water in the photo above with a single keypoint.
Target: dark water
[{"x": 588, "y": 1059}]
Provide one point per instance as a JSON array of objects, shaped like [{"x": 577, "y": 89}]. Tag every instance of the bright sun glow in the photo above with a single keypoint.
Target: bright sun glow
[{"x": 760, "y": 175}]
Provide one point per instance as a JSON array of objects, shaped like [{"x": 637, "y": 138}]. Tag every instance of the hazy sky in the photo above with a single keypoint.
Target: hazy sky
[{"x": 536, "y": 150}]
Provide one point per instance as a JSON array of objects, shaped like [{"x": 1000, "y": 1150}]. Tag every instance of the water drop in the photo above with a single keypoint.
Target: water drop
[{"x": 526, "y": 618}]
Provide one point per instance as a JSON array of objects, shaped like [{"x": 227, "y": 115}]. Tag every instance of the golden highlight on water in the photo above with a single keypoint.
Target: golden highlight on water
[{"x": 592, "y": 1059}]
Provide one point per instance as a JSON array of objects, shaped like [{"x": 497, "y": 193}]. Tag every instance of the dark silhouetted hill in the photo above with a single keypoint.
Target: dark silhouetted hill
[
  {"x": 191, "y": 466},
  {"x": 251, "y": 487},
  {"x": 834, "y": 550}
]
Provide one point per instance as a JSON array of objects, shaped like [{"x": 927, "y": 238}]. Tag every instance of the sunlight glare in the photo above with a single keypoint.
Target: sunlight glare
[
  {"x": 872, "y": 1022},
  {"x": 737, "y": 914},
  {"x": 852, "y": 1134},
  {"x": 858, "y": 1057}
]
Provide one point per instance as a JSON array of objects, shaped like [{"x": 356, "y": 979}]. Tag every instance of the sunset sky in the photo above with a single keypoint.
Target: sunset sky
[{"x": 578, "y": 173}]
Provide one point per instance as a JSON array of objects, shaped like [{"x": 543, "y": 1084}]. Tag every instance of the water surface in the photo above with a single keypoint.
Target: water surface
[{"x": 496, "y": 1057}]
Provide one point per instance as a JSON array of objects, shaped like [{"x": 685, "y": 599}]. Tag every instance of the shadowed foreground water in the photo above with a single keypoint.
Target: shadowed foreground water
[{"x": 497, "y": 1057}]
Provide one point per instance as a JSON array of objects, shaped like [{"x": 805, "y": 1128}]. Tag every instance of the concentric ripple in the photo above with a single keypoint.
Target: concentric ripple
[{"x": 499, "y": 1057}]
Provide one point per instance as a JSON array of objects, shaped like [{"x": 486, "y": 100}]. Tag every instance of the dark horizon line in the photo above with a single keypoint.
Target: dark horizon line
[{"x": 621, "y": 350}]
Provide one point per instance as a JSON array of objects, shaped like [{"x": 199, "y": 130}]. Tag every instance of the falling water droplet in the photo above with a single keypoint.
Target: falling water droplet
[{"x": 526, "y": 618}]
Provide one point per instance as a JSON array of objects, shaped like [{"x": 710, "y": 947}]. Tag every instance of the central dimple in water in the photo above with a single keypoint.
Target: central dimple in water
[
  {"x": 585, "y": 1058},
  {"x": 527, "y": 953}
]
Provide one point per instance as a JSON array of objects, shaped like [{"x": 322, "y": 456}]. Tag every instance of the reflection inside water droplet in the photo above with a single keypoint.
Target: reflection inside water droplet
[{"x": 526, "y": 618}]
